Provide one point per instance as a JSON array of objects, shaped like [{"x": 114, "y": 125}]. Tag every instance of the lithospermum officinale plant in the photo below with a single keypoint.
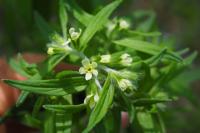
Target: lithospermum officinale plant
[{"x": 117, "y": 68}]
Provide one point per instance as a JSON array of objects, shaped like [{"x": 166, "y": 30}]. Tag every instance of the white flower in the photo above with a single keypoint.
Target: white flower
[
  {"x": 89, "y": 69},
  {"x": 91, "y": 100},
  {"x": 126, "y": 59},
  {"x": 58, "y": 44},
  {"x": 125, "y": 84},
  {"x": 123, "y": 24},
  {"x": 105, "y": 58},
  {"x": 111, "y": 26},
  {"x": 74, "y": 34},
  {"x": 50, "y": 51}
]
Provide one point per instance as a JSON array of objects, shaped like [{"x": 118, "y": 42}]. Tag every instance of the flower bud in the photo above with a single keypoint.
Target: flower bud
[
  {"x": 105, "y": 58},
  {"x": 74, "y": 34}
]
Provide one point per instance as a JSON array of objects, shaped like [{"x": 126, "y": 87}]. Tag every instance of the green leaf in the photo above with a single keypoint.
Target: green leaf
[
  {"x": 22, "y": 67},
  {"x": 63, "y": 18},
  {"x": 102, "y": 105},
  {"x": 50, "y": 63},
  {"x": 67, "y": 73},
  {"x": 22, "y": 97},
  {"x": 97, "y": 22},
  {"x": 156, "y": 58},
  {"x": 149, "y": 101},
  {"x": 130, "y": 107},
  {"x": 37, "y": 106},
  {"x": 63, "y": 123},
  {"x": 147, "y": 47},
  {"x": 112, "y": 121},
  {"x": 82, "y": 16},
  {"x": 148, "y": 80},
  {"x": 149, "y": 122},
  {"x": 147, "y": 24},
  {"x": 55, "y": 87},
  {"x": 146, "y": 34},
  {"x": 29, "y": 120},
  {"x": 146, "y": 121},
  {"x": 16, "y": 66},
  {"x": 190, "y": 58},
  {"x": 24, "y": 94},
  {"x": 45, "y": 29},
  {"x": 65, "y": 108},
  {"x": 49, "y": 122}
]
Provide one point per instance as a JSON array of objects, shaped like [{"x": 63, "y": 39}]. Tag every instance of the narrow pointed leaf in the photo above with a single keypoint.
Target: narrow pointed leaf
[
  {"x": 63, "y": 17},
  {"x": 102, "y": 105},
  {"x": 149, "y": 101},
  {"x": 43, "y": 26},
  {"x": 82, "y": 16},
  {"x": 97, "y": 22},
  {"x": 65, "y": 108},
  {"x": 55, "y": 87},
  {"x": 147, "y": 47},
  {"x": 146, "y": 34},
  {"x": 50, "y": 63}
]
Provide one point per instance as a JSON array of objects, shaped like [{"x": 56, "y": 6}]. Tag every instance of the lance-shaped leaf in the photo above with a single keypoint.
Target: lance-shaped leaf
[
  {"x": 147, "y": 47},
  {"x": 65, "y": 108},
  {"x": 82, "y": 16},
  {"x": 149, "y": 101},
  {"x": 24, "y": 94},
  {"x": 49, "y": 122},
  {"x": 148, "y": 122},
  {"x": 146, "y": 34},
  {"x": 63, "y": 123},
  {"x": 55, "y": 87},
  {"x": 102, "y": 105},
  {"x": 20, "y": 66},
  {"x": 97, "y": 22},
  {"x": 67, "y": 73},
  {"x": 50, "y": 63},
  {"x": 154, "y": 60},
  {"x": 43, "y": 26},
  {"x": 63, "y": 17},
  {"x": 147, "y": 24}
]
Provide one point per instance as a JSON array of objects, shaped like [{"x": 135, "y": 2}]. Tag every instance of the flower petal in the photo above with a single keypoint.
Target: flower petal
[
  {"x": 88, "y": 76},
  {"x": 95, "y": 72},
  {"x": 86, "y": 62},
  {"x": 82, "y": 70},
  {"x": 71, "y": 30},
  {"x": 87, "y": 99},
  {"x": 94, "y": 64},
  {"x": 96, "y": 98}
]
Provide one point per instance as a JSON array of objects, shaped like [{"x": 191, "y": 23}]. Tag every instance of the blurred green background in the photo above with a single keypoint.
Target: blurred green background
[{"x": 178, "y": 20}]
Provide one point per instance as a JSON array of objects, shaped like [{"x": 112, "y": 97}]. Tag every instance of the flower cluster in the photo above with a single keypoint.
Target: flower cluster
[
  {"x": 58, "y": 45},
  {"x": 62, "y": 45}
]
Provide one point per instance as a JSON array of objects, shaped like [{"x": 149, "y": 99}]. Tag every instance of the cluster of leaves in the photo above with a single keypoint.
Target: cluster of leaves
[{"x": 139, "y": 84}]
